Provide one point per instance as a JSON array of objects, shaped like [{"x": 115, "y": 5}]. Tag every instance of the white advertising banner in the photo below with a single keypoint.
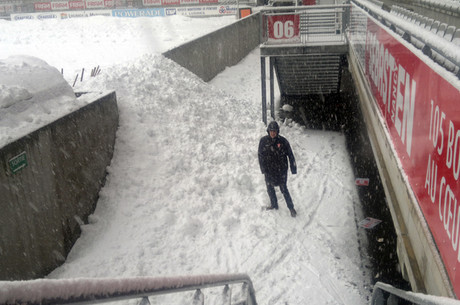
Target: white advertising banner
[
  {"x": 134, "y": 13},
  {"x": 79, "y": 14},
  {"x": 188, "y": 2},
  {"x": 151, "y": 2},
  {"x": 60, "y": 15},
  {"x": 214, "y": 10},
  {"x": 210, "y": 10}
]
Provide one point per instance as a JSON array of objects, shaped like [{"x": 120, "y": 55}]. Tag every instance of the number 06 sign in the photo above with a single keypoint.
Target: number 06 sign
[{"x": 283, "y": 28}]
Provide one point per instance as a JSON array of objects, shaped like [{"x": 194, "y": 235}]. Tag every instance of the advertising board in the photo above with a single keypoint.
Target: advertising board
[
  {"x": 59, "y": 5},
  {"x": 209, "y": 10},
  {"x": 189, "y": 2},
  {"x": 42, "y": 6},
  {"x": 92, "y": 4},
  {"x": 170, "y": 2},
  {"x": 77, "y": 5},
  {"x": 6, "y": 8},
  {"x": 133, "y": 13},
  {"x": 195, "y": 11},
  {"x": 420, "y": 110},
  {"x": 78, "y": 14},
  {"x": 151, "y": 2}
]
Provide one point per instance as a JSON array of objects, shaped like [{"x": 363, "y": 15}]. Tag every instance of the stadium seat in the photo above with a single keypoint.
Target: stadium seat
[
  {"x": 449, "y": 33},
  {"x": 435, "y": 26},
  {"x": 442, "y": 29},
  {"x": 423, "y": 21},
  {"x": 429, "y": 23},
  {"x": 456, "y": 37}
]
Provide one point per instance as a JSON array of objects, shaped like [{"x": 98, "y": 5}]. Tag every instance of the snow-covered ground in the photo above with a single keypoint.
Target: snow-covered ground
[{"x": 184, "y": 194}]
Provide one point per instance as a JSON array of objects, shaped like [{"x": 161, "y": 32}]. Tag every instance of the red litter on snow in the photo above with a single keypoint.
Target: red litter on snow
[
  {"x": 362, "y": 181},
  {"x": 369, "y": 223}
]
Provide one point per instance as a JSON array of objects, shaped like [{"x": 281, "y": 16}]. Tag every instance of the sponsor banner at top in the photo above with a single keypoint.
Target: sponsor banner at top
[
  {"x": 77, "y": 5},
  {"x": 133, "y": 13},
  {"x": 151, "y": 2},
  {"x": 6, "y": 8},
  {"x": 95, "y": 4},
  {"x": 187, "y": 2},
  {"x": 42, "y": 6},
  {"x": 209, "y": 10},
  {"x": 214, "y": 10},
  {"x": 60, "y": 15},
  {"x": 59, "y": 5},
  {"x": 170, "y": 2},
  {"x": 18, "y": 17},
  {"x": 177, "y": 2},
  {"x": 73, "y": 5},
  {"x": 64, "y": 5},
  {"x": 79, "y": 14}
]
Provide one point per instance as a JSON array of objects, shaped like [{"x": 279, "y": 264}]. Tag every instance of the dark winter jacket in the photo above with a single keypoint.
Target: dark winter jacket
[{"x": 273, "y": 157}]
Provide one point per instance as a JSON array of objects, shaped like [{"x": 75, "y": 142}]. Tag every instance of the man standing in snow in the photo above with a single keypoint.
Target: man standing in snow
[{"x": 274, "y": 151}]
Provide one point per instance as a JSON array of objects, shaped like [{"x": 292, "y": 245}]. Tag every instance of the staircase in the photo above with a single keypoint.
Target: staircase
[
  {"x": 308, "y": 74},
  {"x": 306, "y": 46}
]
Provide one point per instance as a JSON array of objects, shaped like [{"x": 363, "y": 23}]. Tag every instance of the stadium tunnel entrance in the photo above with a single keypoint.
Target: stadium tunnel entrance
[{"x": 340, "y": 112}]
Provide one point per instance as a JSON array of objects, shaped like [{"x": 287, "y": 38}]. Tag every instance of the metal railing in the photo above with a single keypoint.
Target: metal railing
[
  {"x": 387, "y": 294},
  {"x": 99, "y": 290},
  {"x": 317, "y": 23}
]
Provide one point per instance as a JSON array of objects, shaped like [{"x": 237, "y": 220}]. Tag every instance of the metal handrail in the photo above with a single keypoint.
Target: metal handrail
[
  {"x": 395, "y": 294},
  {"x": 318, "y": 23},
  {"x": 98, "y": 290},
  {"x": 303, "y": 8}
]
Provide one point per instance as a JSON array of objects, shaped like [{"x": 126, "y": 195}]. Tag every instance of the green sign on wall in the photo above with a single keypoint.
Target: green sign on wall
[{"x": 18, "y": 162}]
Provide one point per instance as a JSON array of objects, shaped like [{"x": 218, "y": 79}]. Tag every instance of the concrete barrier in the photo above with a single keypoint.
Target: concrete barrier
[
  {"x": 50, "y": 179},
  {"x": 211, "y": 54},
  {"x": 49, "y": 185}
]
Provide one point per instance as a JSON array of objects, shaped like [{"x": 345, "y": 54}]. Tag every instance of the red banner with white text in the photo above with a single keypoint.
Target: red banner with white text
[
  {"x": 422, "y": 113},
  {"x": 283, "y": 28}
]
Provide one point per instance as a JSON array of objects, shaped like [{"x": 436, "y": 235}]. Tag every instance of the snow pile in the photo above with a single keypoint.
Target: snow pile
[
  {"x": 77, "y": 43},
  {"x": 32, "y": 94},
  {"x": 184, "y": 194}
]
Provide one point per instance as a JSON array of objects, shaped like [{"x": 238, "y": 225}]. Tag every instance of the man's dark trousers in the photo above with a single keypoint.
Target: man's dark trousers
[{"x": 284, "y": 190}]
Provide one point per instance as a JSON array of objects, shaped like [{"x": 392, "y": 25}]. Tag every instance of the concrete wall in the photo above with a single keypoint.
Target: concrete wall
[
  {"x": 209, "y": 55},
  {"x": 43, "y": 204}
]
